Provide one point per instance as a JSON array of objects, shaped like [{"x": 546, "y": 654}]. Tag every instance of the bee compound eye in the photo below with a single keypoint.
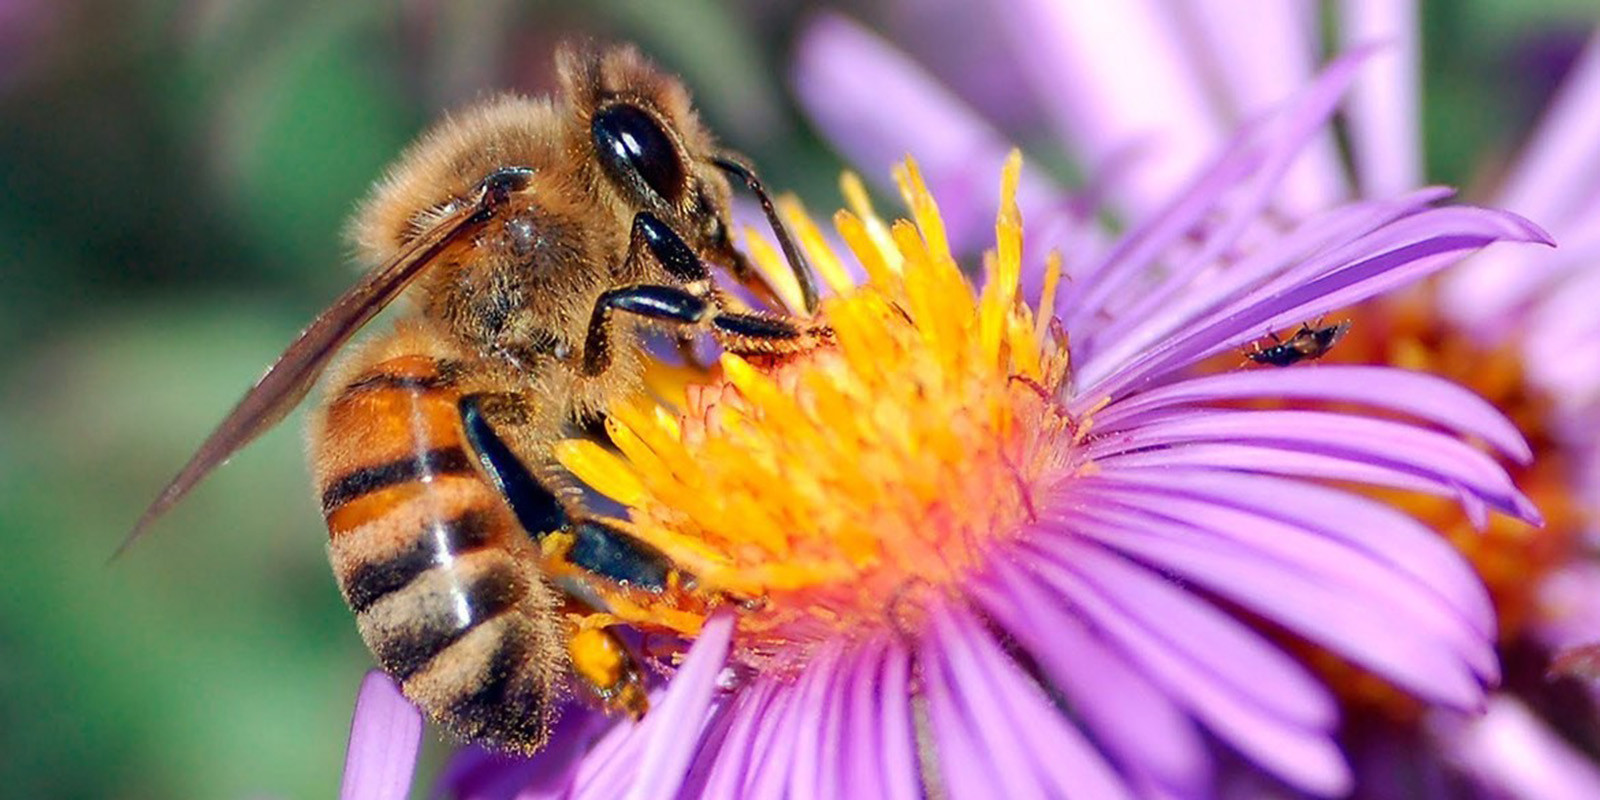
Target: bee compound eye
[{"x": 633, "y": 146}]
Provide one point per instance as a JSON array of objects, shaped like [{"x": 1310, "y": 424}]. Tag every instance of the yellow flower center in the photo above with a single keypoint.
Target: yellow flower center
[{"x": 835, "y": 492}]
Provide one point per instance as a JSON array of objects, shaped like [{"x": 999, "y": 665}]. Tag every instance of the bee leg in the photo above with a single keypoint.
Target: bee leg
[
  {"x": 575, "y": 550},
  {"x": 674, "y": 305},
  {"x": 679, "y": 306},
  {"x": 607, "y": 668},
  {"x": 539, "y": 510},
  {"x": 658, "y": 238},
  {"x": 577, "y": 541}
]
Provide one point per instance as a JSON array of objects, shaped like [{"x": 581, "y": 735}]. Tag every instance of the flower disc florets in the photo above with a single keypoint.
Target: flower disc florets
[{"x": 840, "y": 490}]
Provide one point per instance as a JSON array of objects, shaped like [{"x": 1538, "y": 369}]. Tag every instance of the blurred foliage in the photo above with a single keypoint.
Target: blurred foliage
[{"x": 175, "y": 179}]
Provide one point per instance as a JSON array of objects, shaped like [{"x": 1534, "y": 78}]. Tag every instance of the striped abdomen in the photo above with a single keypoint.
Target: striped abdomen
[{"x": 444, "y": 584}]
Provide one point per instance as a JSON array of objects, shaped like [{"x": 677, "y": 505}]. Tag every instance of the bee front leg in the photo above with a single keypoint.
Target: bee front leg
[
  {"x": 651, "y": 235},
  {"x": 673, "y": 305},
  {"x": 678, "y": 306}
]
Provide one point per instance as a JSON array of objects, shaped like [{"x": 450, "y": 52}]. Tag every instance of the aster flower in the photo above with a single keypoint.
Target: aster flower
[
  {"x": 998, "y": 547},
  {"x": 1514, "y": 324}
]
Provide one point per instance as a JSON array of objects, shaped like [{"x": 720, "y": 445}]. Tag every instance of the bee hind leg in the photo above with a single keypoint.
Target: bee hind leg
[
  {"x": 593, "y": 563},
  {"x": 607, "y": 668}
]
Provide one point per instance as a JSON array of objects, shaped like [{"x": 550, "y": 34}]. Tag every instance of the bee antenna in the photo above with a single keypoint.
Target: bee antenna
[{"x": 797, "y": 261}]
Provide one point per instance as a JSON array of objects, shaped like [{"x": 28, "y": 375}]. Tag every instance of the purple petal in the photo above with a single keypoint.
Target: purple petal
[
  {"x": 684, "y": 708},
  {"x": 1558, "y": 164},
  {"x": 1274, "y": 460},
  {"x": 1344, "y": 620},
  {"x": 1263, "y": 52},
  {"x": 1012, "y": 712},
  {"x": 385, "y": 733},
  {"x": 1384, "y": 111},
  {"x": 611, "y": 766},
  {"x": 1194, "y": 631},
  {"x": 1304, "y": 758},
  {"x": 1392, "y": 539},
  {"x": 900, "y": 766},
  {"x": 860, "y": 743},
  {"x": 834, "y": 737},
  {"x": 1309, "y": 250},
  {"x": 478, "y": 774},
  {"x": 1342, "y": 275},
  {"x": 713, "y": 746},
  {"x": 996, "y": 741},
  {"x": 1327, "y": 562},
  {"x": 1250, "y": 165},
  {"x": 608, "y": 769},
  {"x": 731, "y": 765},
  {"x": 773, "y": 753},
  {"x": 876, "y": 105},
  {"x": 1157, "y": 748},
  {"x": 1444, "y": 460},
  {"x": 860, "y": 747},
  {"x": 1394, "y": 256},
  {"x": 1510, "y": 752},
  {"x": 817, "y": 691},
  {"x": 1152, "y": 115},
  {"x": 1451, "y": 230},
  {"x": 1418, "y": 394},
  {"x": 964, "y": 761}
]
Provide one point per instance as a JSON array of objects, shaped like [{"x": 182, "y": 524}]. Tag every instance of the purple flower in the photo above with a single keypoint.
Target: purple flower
[
  {"x": 1002, "y": 548},
  {"x": 1161, "y": 87}
]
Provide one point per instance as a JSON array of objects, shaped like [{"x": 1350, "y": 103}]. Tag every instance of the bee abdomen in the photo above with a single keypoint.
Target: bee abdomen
[
  {"x": 409, "y": 627},
  {"x": 423, "y": 466},
  {"x": 496, "y": 684},
  {"x": 366, "y": 582},
  {"x": 446, "y": 592}
]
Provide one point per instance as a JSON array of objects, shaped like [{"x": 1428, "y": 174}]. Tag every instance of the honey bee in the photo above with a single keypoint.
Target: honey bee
[
  {"x": 1307, "y": 343},
  {"x": 540, "y": 239}
]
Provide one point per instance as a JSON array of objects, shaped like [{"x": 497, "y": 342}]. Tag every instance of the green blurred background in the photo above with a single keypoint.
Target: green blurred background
[{"x": 173, "y": 181}]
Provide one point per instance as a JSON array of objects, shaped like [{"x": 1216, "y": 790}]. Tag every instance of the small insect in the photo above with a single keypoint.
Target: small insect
[
  {"x": 540, "y": 238},
  {"x": 1307, "y": 343}
]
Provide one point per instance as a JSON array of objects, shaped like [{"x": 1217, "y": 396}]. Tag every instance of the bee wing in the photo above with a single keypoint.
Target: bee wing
[{"x": 289, "y": 378}]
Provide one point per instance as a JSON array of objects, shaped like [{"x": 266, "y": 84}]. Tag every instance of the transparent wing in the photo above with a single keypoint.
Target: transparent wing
[{"x": 289, "y": 378}]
